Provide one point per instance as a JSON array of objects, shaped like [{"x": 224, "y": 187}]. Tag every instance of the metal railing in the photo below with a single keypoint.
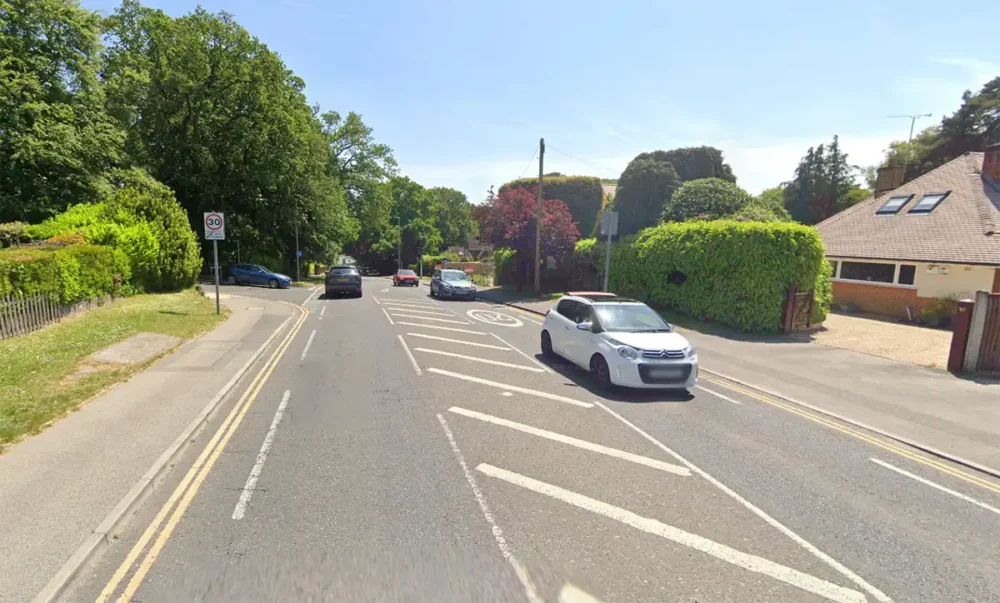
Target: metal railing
[{"x": 24, "y": 314}]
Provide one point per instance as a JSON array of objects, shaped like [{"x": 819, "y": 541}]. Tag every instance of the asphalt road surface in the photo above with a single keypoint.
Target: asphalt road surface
[{"x": 400, "y": 448}]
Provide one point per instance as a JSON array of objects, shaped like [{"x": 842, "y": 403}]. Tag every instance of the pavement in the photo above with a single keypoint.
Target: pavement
[
  {"x": 954, "y": 416},
  {"x": 396, "y": 447}
]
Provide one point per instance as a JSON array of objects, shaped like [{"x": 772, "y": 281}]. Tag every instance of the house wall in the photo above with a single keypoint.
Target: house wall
[{"x": 961, "y": 281}]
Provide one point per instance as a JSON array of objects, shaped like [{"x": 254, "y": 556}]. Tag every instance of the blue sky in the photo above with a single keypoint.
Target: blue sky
[{"x": 462, "y": 90}]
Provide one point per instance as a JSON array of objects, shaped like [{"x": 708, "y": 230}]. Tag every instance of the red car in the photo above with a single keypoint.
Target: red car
[{"x": 405, "y": 277}]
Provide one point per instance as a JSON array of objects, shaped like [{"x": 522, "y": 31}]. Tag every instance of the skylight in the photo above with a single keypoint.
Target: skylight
[
  {"x": 928, "y": 203},
  {"x": 894, "y": 204}
]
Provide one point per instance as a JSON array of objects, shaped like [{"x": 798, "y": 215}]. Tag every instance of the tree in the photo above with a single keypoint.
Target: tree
[
  {"x": 706, "y": 199},
  {"x": 414, "y": 212},
  {"x": 454, "y": 212},
  {"x": 644, "y": 189},
  {"x": 583, "y": 195},
  {"x": 511, "y": 220},
  {"x": 695, "y": 163},
  {"x": 56, "y": 139},
  {"x": 823, "y": 185}
]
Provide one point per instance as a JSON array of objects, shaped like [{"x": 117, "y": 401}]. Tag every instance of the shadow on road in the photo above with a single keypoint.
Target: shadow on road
[{"x": 581, "y": 378}]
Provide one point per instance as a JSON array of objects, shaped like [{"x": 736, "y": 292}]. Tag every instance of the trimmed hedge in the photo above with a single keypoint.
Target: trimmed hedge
[
  {"x": 505, "y": 266},
  {"x": 69, "y": 274},
  {"x": 735, "y": 273},
  {"x": 583, "y": 195}
]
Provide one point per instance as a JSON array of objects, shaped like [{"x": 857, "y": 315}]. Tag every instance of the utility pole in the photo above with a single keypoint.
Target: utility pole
[
  {"x": 538, "y": 221},
  {"x": 913, "y": 120},
  {"x": 399, "y": 254},
  {"x": 298, "y": 277}
]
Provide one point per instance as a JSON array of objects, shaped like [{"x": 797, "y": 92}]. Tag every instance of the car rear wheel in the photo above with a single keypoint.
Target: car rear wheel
[
  {"x": 600, "y": 372},
  {"x": 432, "y": 291},
  {"x": 231, "y": 280},
  {"x": 273, "y": 283},
  {"x": 547, "y": 350}
]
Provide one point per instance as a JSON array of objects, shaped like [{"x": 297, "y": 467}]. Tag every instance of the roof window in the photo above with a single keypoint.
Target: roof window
[
  {"x": 893, "y": 205},
  {"x": 928, "y": 203}
]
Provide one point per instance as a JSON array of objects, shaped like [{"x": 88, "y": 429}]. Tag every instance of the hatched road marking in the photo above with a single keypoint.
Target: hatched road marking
[
  {"x": 531, "y": 358},
  {"x": 511, "y": 388},
  {"x": 459, "y": 341},
  {"x": 454, "y": 322},
  {"x": 582, "y": 444},
  {"x": 409, "y": 355},
  {"x": 387, "y": 316},
  {"x": 482, "y": 360},
  {"x": 572, "y": 594},
  {"x": 753, "y": 563},
  {"x": 417, "y": 324},
  {"x": 248, "y": 488},
  {"x": 412, "y": 311}
]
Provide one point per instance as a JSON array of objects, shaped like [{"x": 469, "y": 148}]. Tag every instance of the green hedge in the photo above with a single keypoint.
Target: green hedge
[
  {"x": 583, "y": 195},
  {"x": 70, "y": 274},
  {"x": 736, "y": 273},
  {"x": 505, "y": 266}
]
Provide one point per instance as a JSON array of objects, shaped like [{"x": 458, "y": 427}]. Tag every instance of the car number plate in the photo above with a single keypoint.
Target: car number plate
[
  {"x": 340, "y": 280},
  {"x": 666, "y": 372}
]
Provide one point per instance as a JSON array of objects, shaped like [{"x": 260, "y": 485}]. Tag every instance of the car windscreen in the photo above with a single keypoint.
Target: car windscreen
[
  {"x": 632, "y": 318},
  {"x": 343, "y": 271},
  {"x": 454, "y": 275},
  {"x": 406, "y": 273}
]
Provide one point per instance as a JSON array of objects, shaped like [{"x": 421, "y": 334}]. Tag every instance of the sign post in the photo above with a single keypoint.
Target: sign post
[
  {"x": 215, "y": 231},
  {"x": 609, "y": 227}
]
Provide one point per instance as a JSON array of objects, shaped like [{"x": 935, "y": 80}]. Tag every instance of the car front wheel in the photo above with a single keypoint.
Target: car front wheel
[
  {"x": 600, "y": 372},
  {"x": 273, "y": 283},
  {"x": 231, "y": 280}
]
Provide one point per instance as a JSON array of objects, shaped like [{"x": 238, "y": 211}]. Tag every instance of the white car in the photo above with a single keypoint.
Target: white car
[{"x": 620, "y": 341}]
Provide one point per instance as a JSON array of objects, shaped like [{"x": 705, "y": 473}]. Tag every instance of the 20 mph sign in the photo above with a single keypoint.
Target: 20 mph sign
[{"x": 215, "y": 226}]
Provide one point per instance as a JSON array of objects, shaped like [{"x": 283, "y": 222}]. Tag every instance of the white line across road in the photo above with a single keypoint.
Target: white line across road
[
  {"x": 248, "y": 488},
  {"x": 454, "y": 322},
  {"x": 511, "y": 388},
  {"x": 459, "y": 341},
  {"x": 476, "y": 359},
  {"x": 582, "y": 444},
  {"x": 409, "y": 355},
  {"x": 453, "y": 329},
  {"x": 718, "y": 395},
  {"x": 309, "y": 343},
  {"x": 394, "y": 305},
  {"x": 412, "y": 311},
  {"x": 415, "y": 301},
  {"x": 753, "y": 563},
  {"x": 531, "y": 358},
  {"x": 573, "y": 594},
  {"x": 387, "y": 316},
  {"x": 937, "y": 486}
]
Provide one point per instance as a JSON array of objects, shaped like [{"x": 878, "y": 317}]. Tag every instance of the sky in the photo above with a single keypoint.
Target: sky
[{"x": 463, "y": 90}]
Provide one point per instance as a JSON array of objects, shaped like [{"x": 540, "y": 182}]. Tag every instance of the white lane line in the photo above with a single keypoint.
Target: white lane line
[
  {"x": 459, "y": 341},
  {"x": 409, "y": 355},
  {"x": 412, "y": 311},
  {"x": 856, "y": 579},
  {"x": 582, "y": 444},
  {"x": 573, "y": 594},
  {"x": 482, "y": 360},
  {"x": 508, "y": 554},
  {"x": 322, "y": 312},
  {"x": 928, "y": 482},
  {"x": 309, "y": 343},
  {"x": 241, "y": 505},
  {"x": 722, "y": 552},
  {"x": 376, "y": 300},
  {"x": 314, "y": 292},
  {"x": 531, "y": 358},
  {"x": 387, "y": 316},
  {"x": 512, "y": 388},
  {"x": 454, "y": 322},
  {"x": 718, "y": 395},
  {"x": 406, "y": 306},
  {"x": 417, "y": 324}
]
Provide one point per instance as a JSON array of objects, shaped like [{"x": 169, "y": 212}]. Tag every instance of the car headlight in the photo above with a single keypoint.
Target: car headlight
[
  {"x": 690, "y": 352},
  {"x": 446, "y": 286},
  {"x": 628, "y": 353}
]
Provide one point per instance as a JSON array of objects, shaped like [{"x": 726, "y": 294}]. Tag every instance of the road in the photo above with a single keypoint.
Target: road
[{"x": 396, "y": 447}]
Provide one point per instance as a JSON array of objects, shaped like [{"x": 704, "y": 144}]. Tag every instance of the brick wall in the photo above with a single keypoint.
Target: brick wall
[{"x": 887, "y": 301}]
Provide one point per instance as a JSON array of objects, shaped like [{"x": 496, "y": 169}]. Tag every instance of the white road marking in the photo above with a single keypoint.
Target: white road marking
[
  {"x": 241, "y": 505},
  {"x": 459, "y": 341},
  {"x": 571, "y": 441},
  {"x": 314, "y": 292},
  {"x": 858, "y": 580},
  {"x": 412, "y": 311},
  {"x": 309, "y": 343},
  {"x": 718, "y": 395},
  {"x": 387, "y": 316},
  {"x": 722, "y": 552},
  {"x": 409, "y": 355},
  {"x": 512, "y": 388},
  {"x": 531, "y": 358},
  {"x": 421, "y": 301},
  {"x": 508, "y": 554},
  {"x": 454, "y": 322},
  {"x": 403, "y": 304},
  {"x": 495, "y": 318},
  {"x": 477, "y": 359},
  {"x": 572, "y": 594},
  {"x": 928, "y": 482},
  {"x": 507, "y": 394},
  {"x": 322, "y": 312},
  {"x": 417, "y": 324},
  {"x": 376, "y": 300}
]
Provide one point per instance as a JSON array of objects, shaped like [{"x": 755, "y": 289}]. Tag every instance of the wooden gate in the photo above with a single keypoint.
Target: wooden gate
[
  {"x": 798, "y": 309},
  {"x": 989, "y": 349}
]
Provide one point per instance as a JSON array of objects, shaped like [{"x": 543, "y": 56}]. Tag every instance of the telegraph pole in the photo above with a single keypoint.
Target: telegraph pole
[
  {"x": 298, "y": 277},
  {"x": 913, "y": 120},
  {"x": 399, "y": 254},
  {"x": 538, "y": 221}
]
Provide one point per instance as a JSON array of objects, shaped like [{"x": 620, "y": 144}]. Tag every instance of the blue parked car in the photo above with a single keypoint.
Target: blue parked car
[{"x": 252, "y": 274}]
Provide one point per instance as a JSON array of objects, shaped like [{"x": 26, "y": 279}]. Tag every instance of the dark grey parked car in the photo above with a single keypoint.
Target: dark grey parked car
[
  {"x": 343, "y": 279},
  {"x": 452, "y": 283}
]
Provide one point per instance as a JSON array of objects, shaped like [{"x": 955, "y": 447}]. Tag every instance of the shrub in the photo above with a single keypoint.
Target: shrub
[
  {"x": 76, "y": 219},
  {"x": 736, "y": 273},
  {"x": 505, "y": 266},
  {"x": 70, "y": 274},
  {"x": 705, "y": 199},
  {"x": 432, "y": 260},
  {"x": 13, "y": 233},
  {"x": 583, "y": 195}
]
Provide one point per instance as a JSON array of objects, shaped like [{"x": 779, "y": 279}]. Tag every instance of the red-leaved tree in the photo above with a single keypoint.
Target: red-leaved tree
[{"x": 510, "y": 219}]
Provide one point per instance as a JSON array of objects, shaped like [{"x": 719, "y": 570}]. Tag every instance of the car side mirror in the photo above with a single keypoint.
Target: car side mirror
[{"x": 585, "y": 326}]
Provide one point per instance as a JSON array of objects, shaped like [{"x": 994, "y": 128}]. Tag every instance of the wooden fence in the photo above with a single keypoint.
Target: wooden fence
[{"x": 20, "y": 315}]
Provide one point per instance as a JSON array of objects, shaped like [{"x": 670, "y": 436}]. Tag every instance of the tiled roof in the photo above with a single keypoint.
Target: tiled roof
[{"x": 963, "y": 229}]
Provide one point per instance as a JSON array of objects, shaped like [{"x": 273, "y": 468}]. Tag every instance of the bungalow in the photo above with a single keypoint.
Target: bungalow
[{"x": 899, "y": 252}]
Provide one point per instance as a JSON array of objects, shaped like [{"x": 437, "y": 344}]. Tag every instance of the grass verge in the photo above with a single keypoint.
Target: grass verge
[{"x": 37, "y": 382}]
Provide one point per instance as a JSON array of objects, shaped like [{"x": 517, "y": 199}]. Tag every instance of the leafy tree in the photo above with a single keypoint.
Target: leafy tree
[
  {"x": 454, "y": 213},
  {"x": 706, "y": 199},
  {"x": 822, "y": 185},
  {"x": 56, "y": 140},
  {"x": 695, "y": 163},
  {"x": 583, "y": 195},
  {"x": 414, "y": 213},
  {"x": 511, "y": 221},
  {"x": 644, "y": 189}
]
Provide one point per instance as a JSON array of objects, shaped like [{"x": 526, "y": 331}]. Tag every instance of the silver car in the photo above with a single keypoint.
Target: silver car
[{"x": 452, "y": 283}]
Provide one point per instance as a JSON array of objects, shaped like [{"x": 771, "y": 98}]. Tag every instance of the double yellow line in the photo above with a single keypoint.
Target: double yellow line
[
  {"x": 182, "y": 496},
  {"x": 903, "y": 452}
]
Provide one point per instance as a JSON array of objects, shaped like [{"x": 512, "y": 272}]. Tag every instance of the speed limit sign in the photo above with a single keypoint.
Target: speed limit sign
[{"x": 215, "y": 226}]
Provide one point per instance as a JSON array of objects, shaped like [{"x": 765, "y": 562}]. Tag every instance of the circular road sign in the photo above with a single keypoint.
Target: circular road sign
[{"x": 491, "y": 317}]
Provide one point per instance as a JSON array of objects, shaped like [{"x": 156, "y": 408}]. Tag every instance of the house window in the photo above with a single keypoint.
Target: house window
[
  {"x": 893, "y": 205},
  {"x": 907, "y": 272},
  {"x": 928, "y": 203},
  {"x": 863, "y": 271},
  {"x": 833, "y": 268}
]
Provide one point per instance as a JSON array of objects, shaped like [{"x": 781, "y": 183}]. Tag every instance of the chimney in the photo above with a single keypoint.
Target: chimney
[
  {"x": 889, "y": 178},
  {"x": 991, "y": 164}
]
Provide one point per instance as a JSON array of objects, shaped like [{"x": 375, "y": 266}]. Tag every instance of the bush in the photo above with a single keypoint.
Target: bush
[
  {"x": 583, "y": 195},
  {"x": 69, "y": 274},
  {"x": 736, "y": 273},
  {"x": 505, "y": 266},
  {"x": 13, "y": 233},
  {"x": 705, "y": 199},
  {"x": 432, "y": 260}
]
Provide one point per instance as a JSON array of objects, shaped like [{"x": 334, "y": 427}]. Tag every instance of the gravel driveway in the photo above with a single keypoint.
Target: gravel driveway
[{"x": 881, "y": 337}]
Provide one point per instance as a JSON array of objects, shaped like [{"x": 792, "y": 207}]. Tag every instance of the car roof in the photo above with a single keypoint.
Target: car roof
[{"x": 601, "y": 297}]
